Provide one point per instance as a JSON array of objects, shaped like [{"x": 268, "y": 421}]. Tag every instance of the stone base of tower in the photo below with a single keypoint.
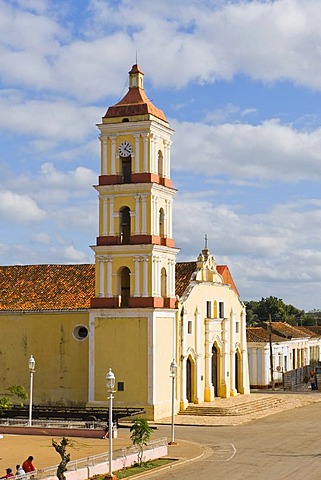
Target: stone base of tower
[{"x": 138, "y": 345}]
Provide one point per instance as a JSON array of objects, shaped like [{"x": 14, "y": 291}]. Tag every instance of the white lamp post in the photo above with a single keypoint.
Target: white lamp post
[
  {"x": 31, "y": 364},
  {"x": 173, "y": 370},
  {"x": 110, "y": 383}
]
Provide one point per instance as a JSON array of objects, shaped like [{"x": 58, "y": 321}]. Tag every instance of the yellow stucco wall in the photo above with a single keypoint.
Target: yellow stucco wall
[
  {"x": 61, "y": 361},
  {"x": 163, "y": 358},
  {"x": 121, "y": 344}
]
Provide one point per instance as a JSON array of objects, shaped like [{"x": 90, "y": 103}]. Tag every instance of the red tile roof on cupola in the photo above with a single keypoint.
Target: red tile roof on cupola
[{"x": 135, "y": 102}]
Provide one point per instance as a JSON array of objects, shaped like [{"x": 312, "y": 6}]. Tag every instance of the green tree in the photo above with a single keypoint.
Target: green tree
[
  {"x": 271, "y": 306},
  {"x": 258, "y": 311},
  {"x": 13, "y": 395},
  {"x": 140, "y": 434},
  {"x": 312, "y": 317},
  {"x": 251, "y": 316}
]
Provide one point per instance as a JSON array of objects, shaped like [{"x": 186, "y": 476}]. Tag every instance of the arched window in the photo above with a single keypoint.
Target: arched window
[
  {"x": 160, "y": 164},
  {"x": 161, "y": 223},
  {"x": 126, "y": 169},
  {"x": 163, "y": 283},
  {"x": 125, "y": 286},
  {"x": 124, "y": 227}
]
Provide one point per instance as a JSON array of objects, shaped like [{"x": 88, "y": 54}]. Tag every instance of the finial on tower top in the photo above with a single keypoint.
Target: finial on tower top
[{"x": 205, "y": 238}]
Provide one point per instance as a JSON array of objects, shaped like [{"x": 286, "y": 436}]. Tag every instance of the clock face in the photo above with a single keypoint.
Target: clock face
[{"x": 125, "y": 149}]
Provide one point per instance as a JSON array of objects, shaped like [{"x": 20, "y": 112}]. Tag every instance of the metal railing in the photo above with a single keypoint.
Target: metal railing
[
  {"x": 91, "y": 461},
  {"x": 23, "y": 422}
]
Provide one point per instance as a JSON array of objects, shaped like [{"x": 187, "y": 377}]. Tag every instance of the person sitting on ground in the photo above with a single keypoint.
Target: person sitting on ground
[
  {"x": 27, "y": 465},
  {"x": 19, "y": 470},
  {"x": 8, "y": 473}
]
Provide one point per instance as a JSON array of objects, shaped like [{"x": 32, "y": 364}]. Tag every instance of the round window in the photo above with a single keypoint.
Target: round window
[{"x": 80, "y": 332}]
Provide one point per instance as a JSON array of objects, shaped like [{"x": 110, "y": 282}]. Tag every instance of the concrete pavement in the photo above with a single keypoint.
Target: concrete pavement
[{"x": 16, "y": 448}]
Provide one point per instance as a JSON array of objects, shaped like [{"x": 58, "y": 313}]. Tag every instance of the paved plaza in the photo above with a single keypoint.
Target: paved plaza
[{"x": 16, "y": 448}]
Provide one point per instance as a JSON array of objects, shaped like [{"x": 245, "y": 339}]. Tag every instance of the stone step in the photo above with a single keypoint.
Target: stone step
[{"x": 234, "y": 410}]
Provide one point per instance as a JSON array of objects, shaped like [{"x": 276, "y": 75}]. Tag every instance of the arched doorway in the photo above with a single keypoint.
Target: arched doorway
[
  {"x": 189, "y": 380},
  {"x": 215, "y": 369}
]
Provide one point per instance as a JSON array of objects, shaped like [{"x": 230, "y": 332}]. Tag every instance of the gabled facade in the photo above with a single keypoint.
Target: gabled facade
[{"x": 212, "y": 332}]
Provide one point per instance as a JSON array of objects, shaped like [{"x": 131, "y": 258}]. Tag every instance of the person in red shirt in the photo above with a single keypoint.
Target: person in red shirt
[
  {"x": 8, "y": 473},
  {"x": 28, "y": 466}
]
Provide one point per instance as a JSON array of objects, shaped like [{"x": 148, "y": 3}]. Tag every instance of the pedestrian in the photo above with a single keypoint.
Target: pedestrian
[
  {"x": 106, "y": 431},
  {"x": 313, "y": 380},
  {"x": 28, "y": 465},
  {"x": 19, "y": 471},
  {"x": 8, "y": 473}
]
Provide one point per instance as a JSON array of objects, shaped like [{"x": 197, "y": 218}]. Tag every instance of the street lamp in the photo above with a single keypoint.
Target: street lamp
[
  {"x": 31, "y": 364},
  {"x": 110, "y": 383},
  {"x": 173, "y": 370}
]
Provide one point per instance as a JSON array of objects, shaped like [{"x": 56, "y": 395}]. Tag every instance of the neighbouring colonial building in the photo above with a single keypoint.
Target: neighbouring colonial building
[
  {"x": 293, "y": 348},
  {"x": 136, "y": 309}
]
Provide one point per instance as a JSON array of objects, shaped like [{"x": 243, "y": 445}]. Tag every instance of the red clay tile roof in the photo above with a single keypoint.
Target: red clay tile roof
[
  {"x": 227, "y": 277},
  {"x": 286, "y": 330},
  {"x": 183, "y": 275},
  {"x": 46, "y": 287},
  {"x": 66, "y": 287},
  {"x": 185, "y": 270},
  {"x": 135, "y": 102},
  {"x": 260, "y": 334},
  {"x": 312, "y": 330}
]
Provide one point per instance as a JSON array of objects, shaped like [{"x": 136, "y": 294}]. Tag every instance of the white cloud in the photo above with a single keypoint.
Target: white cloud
[
  {"x": 57, "y": 120},
  {"x": 40, "y": 237},
  {"x": 51, "y": 186},
  {"x": 269, "y": 41},
  {"x": 268, "y": 151},
  {"x": 19, "y": 209},
  {"x": 265, "y": 252}
]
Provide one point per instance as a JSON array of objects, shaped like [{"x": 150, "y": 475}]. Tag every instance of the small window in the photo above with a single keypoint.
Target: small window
[
  {"x": 161, "y": 220},
  {"x": 160, "y": 164},
  {"x": 221, "y": 310},
  {"x": 80, "y": 332},
  {"x": 209, "y": 309},
  {"x": 237, "y": 327},
  {"x": 120, "y": 386},
  {"x": 189, "y": 326},
  {"x": 125, "y": 120}
]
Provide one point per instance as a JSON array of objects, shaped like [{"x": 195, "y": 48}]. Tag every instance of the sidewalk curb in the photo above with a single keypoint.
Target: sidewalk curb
[{"x": 176, "y": 462}]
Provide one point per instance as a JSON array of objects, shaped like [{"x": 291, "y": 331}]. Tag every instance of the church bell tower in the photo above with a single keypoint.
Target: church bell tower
[
  {"x": 133, "y": 313},
  {"x": 135, "y": 254}
]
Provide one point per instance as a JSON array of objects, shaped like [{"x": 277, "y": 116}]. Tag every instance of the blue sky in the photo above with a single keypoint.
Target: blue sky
[{"x": 240, "y": 83}]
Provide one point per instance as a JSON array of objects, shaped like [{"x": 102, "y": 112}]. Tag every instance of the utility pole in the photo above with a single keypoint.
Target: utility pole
[{"x": 271, "y": 352}]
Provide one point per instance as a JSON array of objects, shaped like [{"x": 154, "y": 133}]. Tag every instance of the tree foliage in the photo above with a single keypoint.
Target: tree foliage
[
  {"x": 13, "y": 395},
  {"x": 140, "y": 434},
  {"x": 274, "y": 308}
]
